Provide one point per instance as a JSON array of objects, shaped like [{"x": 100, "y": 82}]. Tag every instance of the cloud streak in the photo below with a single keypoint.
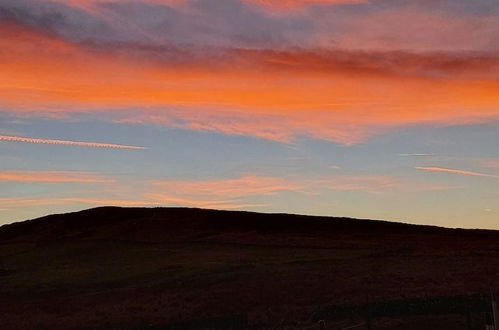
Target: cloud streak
[
  {"x": 455, "y": 171},
  {"x": 15, "y": 202},
  {"x": 416, "y": 155},
  {"x": 9, "y": 138},
  {"x": 151, "y": 201},
  {"x": 296, "y": 4},
  {"x": 53, "y": 177},
  {"x": 491, "y": 163},
  {"x": 242, "y": 186},
  {"x": 229, "y": 204},
  {"x": 257, "y": 185}
]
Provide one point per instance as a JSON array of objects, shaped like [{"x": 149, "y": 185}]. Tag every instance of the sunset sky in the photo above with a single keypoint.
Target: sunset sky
[{"x": 381, "y": 109}]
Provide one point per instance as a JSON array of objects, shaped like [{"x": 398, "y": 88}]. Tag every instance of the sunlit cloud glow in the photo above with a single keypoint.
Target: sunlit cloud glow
[{"x": 347, "y": 98}]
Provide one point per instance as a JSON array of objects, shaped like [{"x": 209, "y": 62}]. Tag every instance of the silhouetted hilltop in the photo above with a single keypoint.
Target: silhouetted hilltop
[
  {"x": 181, "y": 268},
  {"x": 181, "y": 223}
]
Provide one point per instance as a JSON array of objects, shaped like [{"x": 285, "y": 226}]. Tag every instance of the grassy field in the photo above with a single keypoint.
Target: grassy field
[{"x": 113, "y": 268}]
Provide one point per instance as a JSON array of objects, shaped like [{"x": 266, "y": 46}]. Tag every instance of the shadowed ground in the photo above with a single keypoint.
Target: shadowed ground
[{"x": 179, "y": 268}]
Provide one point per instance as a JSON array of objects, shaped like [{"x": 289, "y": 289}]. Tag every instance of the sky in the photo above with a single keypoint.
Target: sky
[{"x": 379, "y": 109}]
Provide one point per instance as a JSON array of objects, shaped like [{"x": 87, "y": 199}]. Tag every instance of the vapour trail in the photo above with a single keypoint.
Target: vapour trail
[{"x": 9, "y": 138}]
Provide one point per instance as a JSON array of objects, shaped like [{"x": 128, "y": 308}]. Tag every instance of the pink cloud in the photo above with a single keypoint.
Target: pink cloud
[
  {"x": 274, "y": 4},
  {"x": 297, "y": 4},
  {"x": 492, "y": 163},
  {"x": 455, "y": 171}
]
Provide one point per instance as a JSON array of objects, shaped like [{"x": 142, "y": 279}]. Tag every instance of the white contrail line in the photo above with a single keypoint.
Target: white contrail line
[{"x": 9, "y": 138}]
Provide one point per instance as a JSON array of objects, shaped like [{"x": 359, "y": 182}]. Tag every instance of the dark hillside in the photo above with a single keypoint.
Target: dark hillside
[{"x": 191, "y": 268}]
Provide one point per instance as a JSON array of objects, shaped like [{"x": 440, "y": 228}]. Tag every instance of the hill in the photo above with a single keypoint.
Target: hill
[{"x": 178, "y": 268}]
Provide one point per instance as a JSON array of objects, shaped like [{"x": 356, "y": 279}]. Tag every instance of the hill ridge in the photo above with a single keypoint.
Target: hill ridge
[
  {"x": 180, "y": 219},
  {"x": 182, "y": 268}
]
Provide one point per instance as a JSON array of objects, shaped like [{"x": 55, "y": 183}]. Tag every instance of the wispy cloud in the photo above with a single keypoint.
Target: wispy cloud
[
  {"x": 106, "y": 202},
  {"x": 278, "y": 4},
  {"x": 374, "y": 184},
  {"x": 53, "y": 177},
  {"x": 151, "y": 200},
  {"x": 295, "y": 4},
  {"x": 255, "y": 185},
  {"x": 221, "y": 193},
  {"x": 9, "y": 138},
  {"x": 9, "y": 203},
  {"x": 416, "y": 155},
  {"x": 242, "y": 186},
  {"x": 15, "y": 202},
  {"x": 201, "y": 203},
  {"x": 492, "y": 163},
  {"x": 455, "y": 171}
]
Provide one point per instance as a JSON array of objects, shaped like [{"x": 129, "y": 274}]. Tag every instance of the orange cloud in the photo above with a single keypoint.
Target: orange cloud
[
  {"x": 455, "y": 171},
  {"x": 52, "y": 177},
  {"x": 9, "y": 138},
  {"x": 338, "y": 96}
]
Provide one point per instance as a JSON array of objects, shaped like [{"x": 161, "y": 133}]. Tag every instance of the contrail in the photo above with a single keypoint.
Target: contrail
[{"x": 9, "y": 138}]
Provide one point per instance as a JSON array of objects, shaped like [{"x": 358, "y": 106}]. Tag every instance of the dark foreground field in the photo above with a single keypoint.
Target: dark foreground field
[{"x": 114, "y": 268}]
